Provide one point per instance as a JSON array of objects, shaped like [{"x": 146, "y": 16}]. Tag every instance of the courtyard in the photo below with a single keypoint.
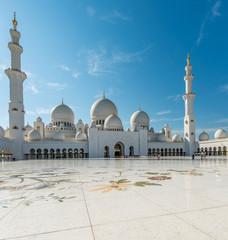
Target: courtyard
[{"x": 114, "y": 199}]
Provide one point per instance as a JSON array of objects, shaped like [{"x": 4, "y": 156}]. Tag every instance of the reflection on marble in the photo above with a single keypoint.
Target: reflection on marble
[{"x": 121, "y": 199}]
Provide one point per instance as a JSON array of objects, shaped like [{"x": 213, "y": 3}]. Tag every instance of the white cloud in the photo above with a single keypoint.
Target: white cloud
[
  {"x": 29, "y": 112},
  {"x": 114, "y": 17},
  {"x": 29, "y": 74},
  {"x": 75, "y": 75},
  {"x": 176, "y": 97},
  {"x": 43, "y": 110},
  {"x": 214, "y": 12},
  {"x": 215, "y": 9},
  {"x": 3, "y": 67},
  {"x": 123, "y": 57},
  {"x": 166, "y": 119},
  {"x": 56, "y": 86},
  {"x": 39, "y": 111},
  {"x": 99, "y": 61},
  {"x": 163, "y": 112},
  {"x": 90, "y": 11},
  {"x": 65, "y": 68},
  {"x": 33, "y": 88}
]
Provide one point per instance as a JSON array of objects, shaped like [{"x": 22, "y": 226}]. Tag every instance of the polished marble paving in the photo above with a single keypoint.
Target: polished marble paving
[{"x": 114, "y": 199}]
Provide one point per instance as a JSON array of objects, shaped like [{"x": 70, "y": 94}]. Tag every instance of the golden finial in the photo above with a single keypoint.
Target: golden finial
[
  {"x": 113, "y": 113},
  {"x": 62, "y": 100},
  {"x": 14, "y": 21},
  {"x": 139, "y": 108},
  {"x": 104, "y": 94},
  {"x": 188, "y": 59}
]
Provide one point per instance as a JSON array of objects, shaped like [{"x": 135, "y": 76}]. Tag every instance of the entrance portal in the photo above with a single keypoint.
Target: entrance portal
[{"x": 119, "y": 150}]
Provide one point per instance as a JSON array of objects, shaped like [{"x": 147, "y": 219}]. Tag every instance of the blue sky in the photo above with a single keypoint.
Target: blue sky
[{"x": 134, "y": 50}]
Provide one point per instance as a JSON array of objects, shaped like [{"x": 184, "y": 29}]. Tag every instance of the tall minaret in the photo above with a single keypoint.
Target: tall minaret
[
  {"x": 189, "y": 119},
  {"x": 16, "y": 106}
]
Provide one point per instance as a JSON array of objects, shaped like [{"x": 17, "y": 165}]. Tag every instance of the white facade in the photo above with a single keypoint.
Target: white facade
[{"x": 105, "y": 137}]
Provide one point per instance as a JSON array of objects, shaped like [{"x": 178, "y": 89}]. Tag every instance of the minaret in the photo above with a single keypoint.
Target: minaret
[
  {"x": 16, "y": 78},
  {"x": 189, "y": 119}
]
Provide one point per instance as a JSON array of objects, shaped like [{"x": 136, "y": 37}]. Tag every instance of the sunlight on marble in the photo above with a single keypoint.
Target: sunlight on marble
[{"x": 114, "y": 199}]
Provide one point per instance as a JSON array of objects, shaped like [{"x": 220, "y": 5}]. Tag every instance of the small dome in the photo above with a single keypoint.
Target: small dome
[
  {"x": 177, "y": 138},
  {"x": 28, "y": 128},
  {"x": 140, "y": 118},
  {"x": 80, "y": 136},
  {"x": 7, "y": 133},
  {"x": 203, "y": 136},
  {"x": 166, "y": 125},
  {"x": 161, "y": 138},
  {"x": 62, "y": 113},
  {"x": 58, "y": 136},
  {"x": 39, "y": 119},
  {"x": 102, "y": 108},
  {"x": 113, "y": 122},
  {"x": 80, "y": 121},
  {"x": 2, "y": 132},
  {"x": 220, "y": 133},
  {"x": 34, "y": 135}
]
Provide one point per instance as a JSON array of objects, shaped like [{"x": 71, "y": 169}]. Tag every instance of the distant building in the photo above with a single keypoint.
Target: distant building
[{"x": 105, "y": 137}]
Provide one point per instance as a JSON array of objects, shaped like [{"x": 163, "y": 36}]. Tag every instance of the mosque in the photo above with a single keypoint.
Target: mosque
[{"x": 104, "y": 137}]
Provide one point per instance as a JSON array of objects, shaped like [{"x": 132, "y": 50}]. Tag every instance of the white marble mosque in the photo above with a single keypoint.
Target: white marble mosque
[{"x": 105, "y": 136}]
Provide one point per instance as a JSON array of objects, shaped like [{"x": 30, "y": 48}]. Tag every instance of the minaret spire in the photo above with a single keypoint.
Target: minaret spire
[
  {"x": 16, "y": 79},
  {"x": 103, "y": 94},
  {"x": 189, "y": 119},
  {"x": 14, "y": 21}
]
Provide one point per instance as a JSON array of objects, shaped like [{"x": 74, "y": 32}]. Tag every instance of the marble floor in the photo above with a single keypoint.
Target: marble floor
[{"x": 114, "y": 199}]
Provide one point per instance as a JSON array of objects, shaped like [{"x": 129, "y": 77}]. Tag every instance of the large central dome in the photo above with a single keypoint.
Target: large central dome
[
  {"x": 62, "y": 113},
  {"x": 102, "y": 108}
]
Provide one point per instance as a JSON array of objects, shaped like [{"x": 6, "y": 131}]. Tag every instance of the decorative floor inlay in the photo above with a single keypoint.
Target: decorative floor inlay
[{"x": 56, "y": 196}]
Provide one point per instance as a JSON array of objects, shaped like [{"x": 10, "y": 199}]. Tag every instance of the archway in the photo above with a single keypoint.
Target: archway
[{"x": 119, "y": 149}]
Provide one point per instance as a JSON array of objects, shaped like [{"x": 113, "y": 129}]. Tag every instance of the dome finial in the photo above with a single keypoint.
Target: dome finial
[
  {"x": 14, "y": 21},
  {"x": 139, "y": 108},
  {"x": 113, "y": 113},
  {"x": 188, "y": 59},
  {"x": 62, "y": 100},
  {"x": 104, "y": 94}
]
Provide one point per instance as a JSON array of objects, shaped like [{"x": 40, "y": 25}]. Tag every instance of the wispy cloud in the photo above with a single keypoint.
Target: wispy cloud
[
  {"x": 100, "y": 61},
  {"x": 166, "y": 119},
  {"x": 215, "y": 9},
  {"x": 65, "y": 68},
  {"x": 90, "y": 11},
  {"x": 114, "y": 17},
  {"x": 176, "y": 97},
  {"x": 29, "y": 74},
  {"x": 163, "y": 112},
  {"x": 124, "y": 57},
  {"x": 0, "y": 75},
  {"x": 56, "y": 86},
  {"x": 97, "y": 61},
  {"x": 3, "y": 67},
  {"x": 108, "y": 93},
  {"x": 75, "y": 75},
  {"x": 212, "y": 13},
  {"x": 223, "y": 120},
  {"x": 33, "y": 88},
  {"x": 39, "y": 111},
  {"x": 224, "y": 88}
]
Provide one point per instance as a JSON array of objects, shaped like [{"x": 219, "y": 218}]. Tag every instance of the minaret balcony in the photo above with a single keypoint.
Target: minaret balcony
[
  {"x": 15, "y": 73},
  {"x": 15, "y": 47}
]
